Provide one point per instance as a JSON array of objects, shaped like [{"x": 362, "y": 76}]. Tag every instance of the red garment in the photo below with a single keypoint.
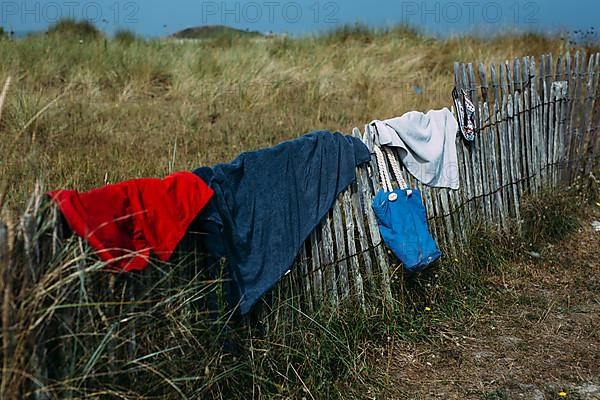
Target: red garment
[{"x": 124, "y": 222}]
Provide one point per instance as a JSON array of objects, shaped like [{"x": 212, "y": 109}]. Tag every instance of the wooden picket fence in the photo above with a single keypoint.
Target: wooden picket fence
[{"x": 537, "y": 130}]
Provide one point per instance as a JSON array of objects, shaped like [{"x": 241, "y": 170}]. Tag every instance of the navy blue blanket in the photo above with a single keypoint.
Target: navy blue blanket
[{"x": 267, "y": 202}]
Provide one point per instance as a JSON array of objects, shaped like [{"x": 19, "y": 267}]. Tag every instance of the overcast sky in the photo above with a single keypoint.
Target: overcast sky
[{"x": 157, "y": 18}]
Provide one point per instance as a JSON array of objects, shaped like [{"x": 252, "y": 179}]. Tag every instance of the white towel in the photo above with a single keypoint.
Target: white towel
[{"x": 427, "y": 143}]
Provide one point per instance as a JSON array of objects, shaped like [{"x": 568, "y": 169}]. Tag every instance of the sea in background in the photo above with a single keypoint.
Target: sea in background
[{"x": 154, "y": 18}]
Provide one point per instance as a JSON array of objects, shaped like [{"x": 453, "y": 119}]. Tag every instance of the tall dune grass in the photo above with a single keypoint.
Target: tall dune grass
[
  {"x": 84, "y": 112},
  {"x": 78, "y": 330},
  {"x": 115, "y": 109}
]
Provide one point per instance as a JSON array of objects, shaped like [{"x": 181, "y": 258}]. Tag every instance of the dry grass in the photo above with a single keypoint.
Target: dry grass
[
  {"x": 4, "y": 94},
  {"x": 80, "y": 115},
  {"x": 83, "y": 114},
  {"x": 535, "y": 335}
]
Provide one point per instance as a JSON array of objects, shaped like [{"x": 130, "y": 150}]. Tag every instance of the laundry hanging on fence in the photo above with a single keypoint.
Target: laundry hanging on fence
[
  {"x": 267, "y": 202},
  {"x": 427, "y": 144},
  {"x": 465, "y": 110},
  {"x": 402, "y": 220},
  {"x": 128, "y": 221}
]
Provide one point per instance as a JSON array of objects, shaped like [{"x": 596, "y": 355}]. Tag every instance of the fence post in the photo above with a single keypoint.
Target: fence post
[
  {"x": 340, "y": 247},
  {"x": 513, "y": 155},
  {"x": 328, "y": 260},
  {"x": 305, "y": 277},
  {"x": 354, "y": 264},
  {"x": 463, "y": 195},
  {"x": 572, "y": 99},
  {"x": 466, "y": 159},
  {"x": 544, "y": 122},
  {"x": 481, "y": 201},
  {"x": 500, "y": 144},
  {"x": 536, "y": 144},
  {"x": 316, "y": 268},
  {"x": 486, "y": 153},
  {"x": 575, "y": 111},
  {"x": 493, "y": 176},
  {"x": 564, "y": 137}
]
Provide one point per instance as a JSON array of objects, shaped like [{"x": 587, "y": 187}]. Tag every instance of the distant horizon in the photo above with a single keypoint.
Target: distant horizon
[
  {"x": 477, "y": 32},
  {"x": 155, "y": 19}
]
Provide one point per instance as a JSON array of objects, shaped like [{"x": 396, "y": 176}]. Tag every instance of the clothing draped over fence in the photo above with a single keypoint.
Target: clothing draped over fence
[{"x": 268, "y": 201}]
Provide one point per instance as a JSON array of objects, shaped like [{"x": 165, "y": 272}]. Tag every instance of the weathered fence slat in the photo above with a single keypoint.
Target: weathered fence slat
[
  {"x": 479, "y": 148},
  {"x": 499, "y": 124},
  {"x": 476, "y": 147},
  {"x": 467, "y": 156},
  {"x": 581, "y": 106},
  {"x": 486, "y": 151},
  {"x": 546, "y": 74},
  {"x": 358, "y": 214},
  {"x": 317, "y": 272},
  {"x": 527, "y": 142},
  {"x": 549, "y": 81},
  {"x": 483, "y": 82},
  {"x": 564, "y": 141},
  {"x": 555, "y": 91},
  {"x": 507, "y": 152},
  {"x": 575, "y": 114},
  {"x": 563, "y": 115},
  {"x": 483, "y": 159},
  {"x": 571, "y": 71},
  {"x": 520, "y": 159},
  {"x": 493, "y": 176},
  {"x": 544, "y": 128},
  {"x": 305, "y": 278},
  {"x": 549, "y": 112},
  {"x": 358, "y": 201},
  {"x": 591, "y": 129},
  {"x": 463, "y": 194},
  {"x": 354, "y": 261},
  {"x": 531, "y": 109},
  {"x": 380, "y": 254},
  {"x": 340, "y": 247},
  {"x": 472, "y": 86},
  {"x": 585, "y": 113},
  {"x": 567, "y": 72},
  {"x": 542, "y": 73},
  {"x": 533, "y": 130},
  {"x": 440, "y": 228},
  {"x": 445, "y": 209},
  {"x": 549, "y": 98},
  {"x": 539, "y": 142},
  {"x": 496, "y": 89},
  {"x": 327, "y": 257},
  {"x": 513, "y": 153},
  {"x": 517, "y": 77},
  {"x": 504, "y": 158}
]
